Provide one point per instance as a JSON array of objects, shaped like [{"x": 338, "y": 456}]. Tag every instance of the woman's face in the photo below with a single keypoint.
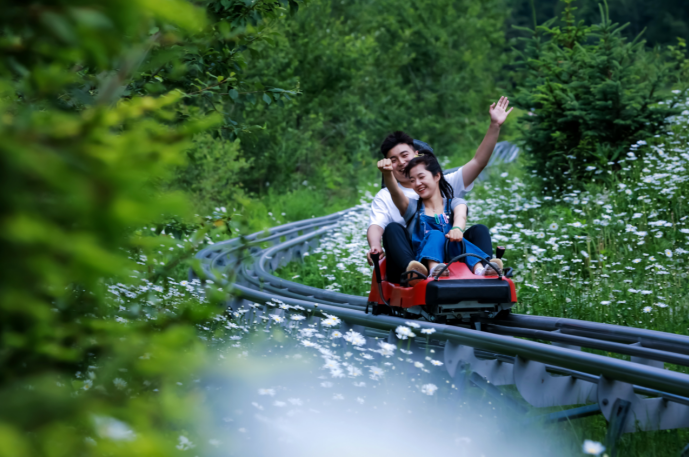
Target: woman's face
[{"x": 423, "y": 182}]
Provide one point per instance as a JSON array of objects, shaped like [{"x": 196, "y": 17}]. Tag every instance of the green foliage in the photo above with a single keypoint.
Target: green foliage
[
  {"x": 364, "y": 69},
  {"x": 75, "y": 182},
  {"x": 591, "y": 93},
  {"x": 100, "y": 103},
  {"x": 213, "y": 172}
]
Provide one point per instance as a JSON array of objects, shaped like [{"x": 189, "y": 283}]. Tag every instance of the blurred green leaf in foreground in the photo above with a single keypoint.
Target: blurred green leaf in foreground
[{"x": 99, "y": 102}]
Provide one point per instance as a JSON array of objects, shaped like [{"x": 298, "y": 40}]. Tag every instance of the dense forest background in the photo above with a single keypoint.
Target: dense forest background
[
  {"x": 661, "y": 21},
  {"x": 365, "y": 68}
]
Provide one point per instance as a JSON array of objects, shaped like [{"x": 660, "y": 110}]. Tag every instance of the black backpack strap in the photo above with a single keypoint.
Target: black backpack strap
[
  {"x": 413, "y": 220},
  {"x": 418, "y": 210}
]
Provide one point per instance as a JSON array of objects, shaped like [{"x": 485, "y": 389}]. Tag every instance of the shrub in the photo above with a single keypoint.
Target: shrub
[
  {"x": 590, "y": 94},
  {"x": 212, "y": 173}
]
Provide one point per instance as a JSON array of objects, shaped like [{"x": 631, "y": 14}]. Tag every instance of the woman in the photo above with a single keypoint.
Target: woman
[{"x": 435, "y": 217}]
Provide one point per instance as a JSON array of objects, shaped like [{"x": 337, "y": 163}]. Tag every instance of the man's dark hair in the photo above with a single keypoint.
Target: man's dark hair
[
  {"x": 430, "y": 161},
  {"x": 395, "y": 138}
]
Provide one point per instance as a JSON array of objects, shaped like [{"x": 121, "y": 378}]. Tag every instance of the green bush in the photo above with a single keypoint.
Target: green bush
[
  {"x": 213, "y": 172},
  {"x": 590, "y": 94}
]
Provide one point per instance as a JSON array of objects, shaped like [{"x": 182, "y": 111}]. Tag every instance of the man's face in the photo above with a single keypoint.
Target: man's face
[{"x": 400, "y": 156}]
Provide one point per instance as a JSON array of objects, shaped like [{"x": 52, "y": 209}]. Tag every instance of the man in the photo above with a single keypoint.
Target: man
[{"x": 387, "y": 223}]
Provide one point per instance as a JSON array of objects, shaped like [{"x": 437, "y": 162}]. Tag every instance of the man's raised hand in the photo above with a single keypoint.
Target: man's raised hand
[
  {"x": 498, "y": 111},
  {"x": 385, "y": 165}
]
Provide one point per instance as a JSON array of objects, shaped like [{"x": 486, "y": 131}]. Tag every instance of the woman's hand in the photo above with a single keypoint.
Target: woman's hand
[
  {"x": 385, "y": 166},
  {"x": 455, "y": 235},
  {"x": 499, "y": 113}
]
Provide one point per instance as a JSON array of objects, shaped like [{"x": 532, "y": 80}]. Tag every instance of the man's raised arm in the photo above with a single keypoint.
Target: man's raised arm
[{"x": 498, "y": 114}]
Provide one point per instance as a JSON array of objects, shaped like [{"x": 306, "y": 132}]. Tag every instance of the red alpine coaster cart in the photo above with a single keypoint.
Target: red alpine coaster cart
[{"x": 460, "y": 298}]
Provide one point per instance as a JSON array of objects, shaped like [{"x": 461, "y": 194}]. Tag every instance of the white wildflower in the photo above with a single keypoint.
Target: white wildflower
[
  {"x": 331, "y": 321},
  {"x": 386, "y": 349},
  {"x": 429, "y": 389},
  {"x": 184, "y": 443},
  {"x": 108, "y": 427},
  {"x": 592, "y": 447},
  {"x": 353, "y": 371},
  {"x": 357, "y": 339},
  {"x": 375, "y": 372},
  {"x": 404, "y": 332}
]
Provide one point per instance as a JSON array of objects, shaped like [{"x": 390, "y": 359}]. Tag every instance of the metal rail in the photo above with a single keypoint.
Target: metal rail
[{"x": 546, "y": 375}]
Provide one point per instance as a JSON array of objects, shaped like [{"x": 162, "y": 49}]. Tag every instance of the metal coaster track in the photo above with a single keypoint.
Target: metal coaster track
[{"x": 635, "y": 394}]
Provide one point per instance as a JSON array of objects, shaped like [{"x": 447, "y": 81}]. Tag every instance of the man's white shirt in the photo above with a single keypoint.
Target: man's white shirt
[{"x": 384, "y": 211}]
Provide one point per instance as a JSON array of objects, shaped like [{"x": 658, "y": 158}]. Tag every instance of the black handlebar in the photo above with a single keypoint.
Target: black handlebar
[
  {"x": 375, "y": 257},
  {"x": 499, "y": 252}
]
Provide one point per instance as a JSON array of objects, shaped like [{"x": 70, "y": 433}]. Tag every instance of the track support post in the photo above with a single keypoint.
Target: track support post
[
  {"x": 618, "y": 418},
  {"x": 480, "y": 382}
]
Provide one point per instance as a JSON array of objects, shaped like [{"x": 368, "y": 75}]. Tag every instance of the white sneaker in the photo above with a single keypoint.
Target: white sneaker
[{"x": 436, "y": 269}]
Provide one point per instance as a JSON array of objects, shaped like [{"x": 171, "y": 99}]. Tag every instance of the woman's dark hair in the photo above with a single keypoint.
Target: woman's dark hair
[
  {"x": 395, "y": 138},
  {"x": 430, "y": 161}
]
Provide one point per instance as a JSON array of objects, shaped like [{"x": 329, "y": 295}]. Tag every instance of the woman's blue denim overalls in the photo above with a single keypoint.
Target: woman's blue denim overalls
[{"x": 428, "y": 239}]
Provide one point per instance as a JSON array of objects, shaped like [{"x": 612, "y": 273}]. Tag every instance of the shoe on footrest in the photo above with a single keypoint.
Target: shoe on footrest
[
  {"x": 494, "y": 268},
  {"x": 419, "y": 268},
  {"x": 436, "y": 269}
]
